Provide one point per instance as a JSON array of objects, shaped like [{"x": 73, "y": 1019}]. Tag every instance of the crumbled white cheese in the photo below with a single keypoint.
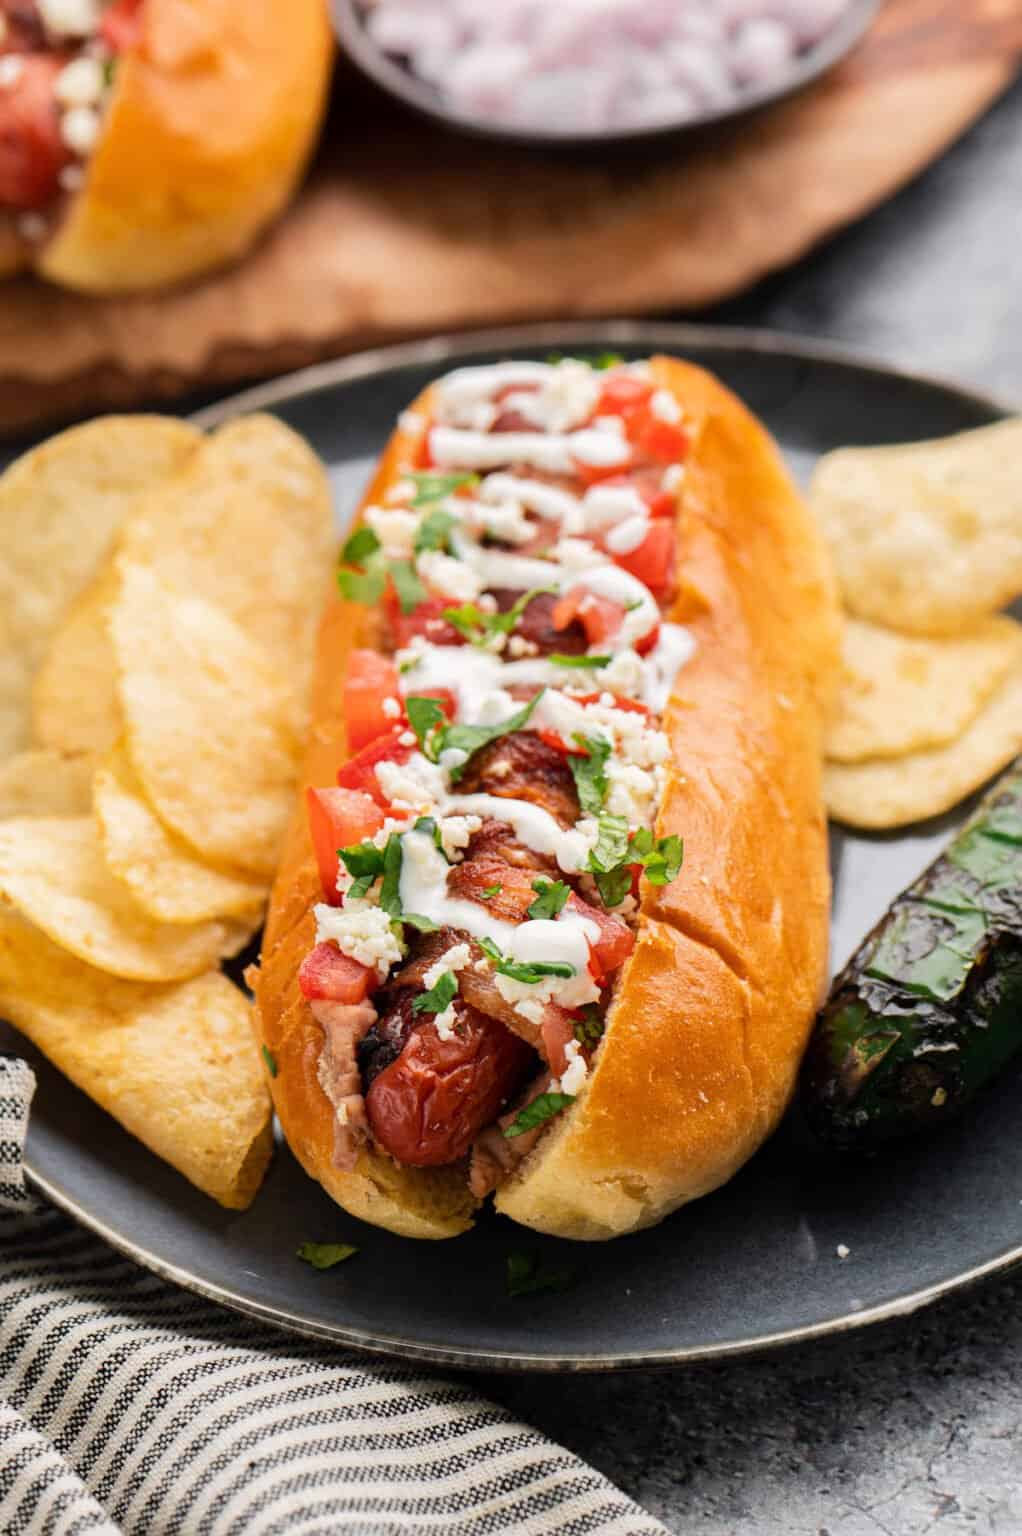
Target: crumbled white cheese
[
  {"x": 493, "y": 707},
  {"x": 11, "y": 69},
  {"x": 71, "y": 178},
  {"x": 578, "y": 554},
  {"x": 80, "y": 83},
  {"x": 454, "y": 959},
  {"x": 411, "y": 421},
  {"x": 842, "y": 1251},
  {"x": 575, "y": 1073},
  {"x": 451, "y": 758},
  {"x": 395, "y": 528},
  {"x": 408, "y": 738},
  {"x": 672, "y": 477},
  {"x": 631, "y": 793},
  {"x": 70, "y": 18},
  {"x": 507, "y": 521},
  {"x": 445, "y": 1023},
  {"x": 518, "y": 646},
  {"x": 79, "y": 129},
  {"x": 413, "y": 786},
  {"x": 400, "y": 492},
  {"x": 452, "y": 578},
  {"x": 665, "y": 407},
  {"x": 391, "y": 708},
  {"x": 456, "y": 833},
  {"x": 604, "y": 504},
  {"x": 624, "y": 674},
  {"x": 366, "y": 934}
]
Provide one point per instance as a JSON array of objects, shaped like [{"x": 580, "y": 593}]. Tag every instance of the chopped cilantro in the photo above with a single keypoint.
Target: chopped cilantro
[
  {"x": 439, "y": 997},
  {"x": 469, "y": 738},
  {"x": 365, "y": 862},
  {"x": 365, "y": 587},
  {"x": 660, "y": 857},
  {"x": 430, "y": 487},
  {"x": 390, "y": 898},
  {"x": 434, "y": 531},
  {"x": 423, "y": 924},
  {"x": 490, "y": 891},
  {"x": 409, "y": 589},
  {"x": 270, "y": 1060},
  {"x": 479, "y": 627},
  {"x": 613, "y": 884},
  {"x": 588, "y": 772},
  {"x": 589, "y": 1028},
  {"x": 325, "y": 1255},
  {"x": 530, "y": 972},
  {"x": 526, "y": 1276},
  {"x": 550, "y": 898},
  {"x": 424, "y": 716},
  {"x": 611, "y": 847},
  {"x": 542, "y": 1109},
  {"x": 362, "y": 543},
  {"x": 600, "y": 361},
  {"x": 589, "y": 662}
]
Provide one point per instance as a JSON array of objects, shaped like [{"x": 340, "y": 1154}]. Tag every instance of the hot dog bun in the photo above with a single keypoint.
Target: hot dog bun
[
  {"x": 209, "y": 127},
  {"x": 713, "y": 1008}
]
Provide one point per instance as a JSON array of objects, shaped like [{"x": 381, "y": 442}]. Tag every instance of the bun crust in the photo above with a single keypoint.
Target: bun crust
[
  {"x": 209, "y": 128},
  {"x": 713, "y": 1008}
]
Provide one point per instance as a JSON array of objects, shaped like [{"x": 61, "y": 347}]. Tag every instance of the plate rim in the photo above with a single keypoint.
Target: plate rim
[{"x": 549, "y": 334}]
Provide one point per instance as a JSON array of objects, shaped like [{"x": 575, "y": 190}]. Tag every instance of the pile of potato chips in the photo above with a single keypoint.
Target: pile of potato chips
[
  {"x": 159, "y": 595},
  {"x": 927, "y": 546}
]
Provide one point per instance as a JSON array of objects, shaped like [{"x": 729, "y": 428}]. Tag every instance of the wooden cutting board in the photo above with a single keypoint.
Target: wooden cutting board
[{"x": 404, "y": 229}]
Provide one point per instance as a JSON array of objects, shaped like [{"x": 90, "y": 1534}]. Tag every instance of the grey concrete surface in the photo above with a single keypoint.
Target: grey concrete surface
[{"x": 915, "y": 1427}]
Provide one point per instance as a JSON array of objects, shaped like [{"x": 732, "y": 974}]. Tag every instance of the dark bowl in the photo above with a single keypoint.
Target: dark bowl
[{"x": 400, "y": 83}]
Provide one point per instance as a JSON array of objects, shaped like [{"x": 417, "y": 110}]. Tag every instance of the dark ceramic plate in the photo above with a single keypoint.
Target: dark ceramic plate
[
  {"x": 398, "y": 81},
  {"x": 752, "y": 1265}
]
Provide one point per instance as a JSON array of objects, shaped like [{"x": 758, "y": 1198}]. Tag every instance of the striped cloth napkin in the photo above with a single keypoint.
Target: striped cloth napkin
[{"x": 129, "y": 1406}]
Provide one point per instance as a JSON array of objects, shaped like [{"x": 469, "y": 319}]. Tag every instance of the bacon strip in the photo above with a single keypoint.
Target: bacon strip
[
  {"x": 522, "y": 766},
  {"x": 344, "y": 1025}
]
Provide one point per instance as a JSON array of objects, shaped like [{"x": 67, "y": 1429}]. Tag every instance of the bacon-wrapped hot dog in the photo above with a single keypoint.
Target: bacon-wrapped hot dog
[
  {"x": 145, "y": 141},
  {"x": 584, "y": 616}
]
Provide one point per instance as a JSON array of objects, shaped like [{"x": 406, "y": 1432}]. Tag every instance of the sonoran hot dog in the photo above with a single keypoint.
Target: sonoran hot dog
[
  {"x": 129, "y": 157},
  {"x": 585, "y": 614}
]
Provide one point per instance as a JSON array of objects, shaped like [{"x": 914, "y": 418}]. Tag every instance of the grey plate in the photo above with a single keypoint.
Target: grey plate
[
  {"x": 751, "y": 1266},
  {"x": 400, "y": 83}
]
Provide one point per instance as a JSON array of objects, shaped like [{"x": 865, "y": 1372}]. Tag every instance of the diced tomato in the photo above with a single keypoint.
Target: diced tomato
[
  {"x": 648, "y": 483},
  {"x": 622, "y": 395},
  {"x": 326, "y": 973},
  {"x": 653, "y": 561},
  {"x": 424, "y": 457},
  {"x": 372, "y": 679},
  {"x": 664, "y": 441},
  {"x": 556, "y": 740},
  {"x": 648, "y": 641},
  {"x": 601, "y": 617},
  {"x": 121, "y": 25},
  {"x": 427, "y": 619},
  {"x": 360, "y": 771},
  {"x": 616, "y": 940},
  {"x": 337, "y": 819},
  {"x": 556, "y": 1029},
  {"x": 620, "y": 702},
  {"x": 596, "y": 474},
  {"x": 32, "y": 152}
]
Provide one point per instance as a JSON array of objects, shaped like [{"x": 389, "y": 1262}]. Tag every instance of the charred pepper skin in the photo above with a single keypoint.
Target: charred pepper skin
[{"x": 929, "y": 1008}]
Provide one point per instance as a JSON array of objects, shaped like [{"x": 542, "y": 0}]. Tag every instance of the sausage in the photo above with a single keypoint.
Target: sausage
[
  {"x": 523, "y": 766},
  {"x": 536, "y": 624},
  {"x": 430, "y": 1104},
  {"x": 32, "y": 153}
]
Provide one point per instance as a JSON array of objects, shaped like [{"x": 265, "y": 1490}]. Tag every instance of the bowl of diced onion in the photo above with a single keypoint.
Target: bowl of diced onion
[{"x": 576, "y": 72}]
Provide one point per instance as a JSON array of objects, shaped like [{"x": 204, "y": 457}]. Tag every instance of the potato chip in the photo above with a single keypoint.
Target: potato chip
[
  {"x": 42, "y": 783},
  {"x": 176, "y": 1064},
  {"x": 60, "y": 506},
  {"x": 248, "y": 525},
  {"x": 162, "y": 874},
  {"x": 890, "y": 792},
  {"x": 74, "y": 693},
  {"x": 208, "y": 723},
  {"x": 53, "y": 873},
  {"x": 904, "y": 694},
  {"x": 926, "y": 537}
]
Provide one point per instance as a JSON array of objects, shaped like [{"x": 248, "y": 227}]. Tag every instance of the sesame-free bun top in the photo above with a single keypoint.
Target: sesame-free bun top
[{"x": 209, "y": 126}]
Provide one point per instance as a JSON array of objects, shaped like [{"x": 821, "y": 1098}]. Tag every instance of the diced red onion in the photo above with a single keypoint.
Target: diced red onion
[{"x": 592, "y": 65}]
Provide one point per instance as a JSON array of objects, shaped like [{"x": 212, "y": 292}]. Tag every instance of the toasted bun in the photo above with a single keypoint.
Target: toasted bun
[
  {"x": 209, "y": 127},
  {"x": 713, "y": 1008}
]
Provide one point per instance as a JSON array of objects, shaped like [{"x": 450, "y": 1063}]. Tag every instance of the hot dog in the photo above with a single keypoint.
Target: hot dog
[
  {"x": 584, "y": 615},
  {"x": 144, "y": 141}
]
